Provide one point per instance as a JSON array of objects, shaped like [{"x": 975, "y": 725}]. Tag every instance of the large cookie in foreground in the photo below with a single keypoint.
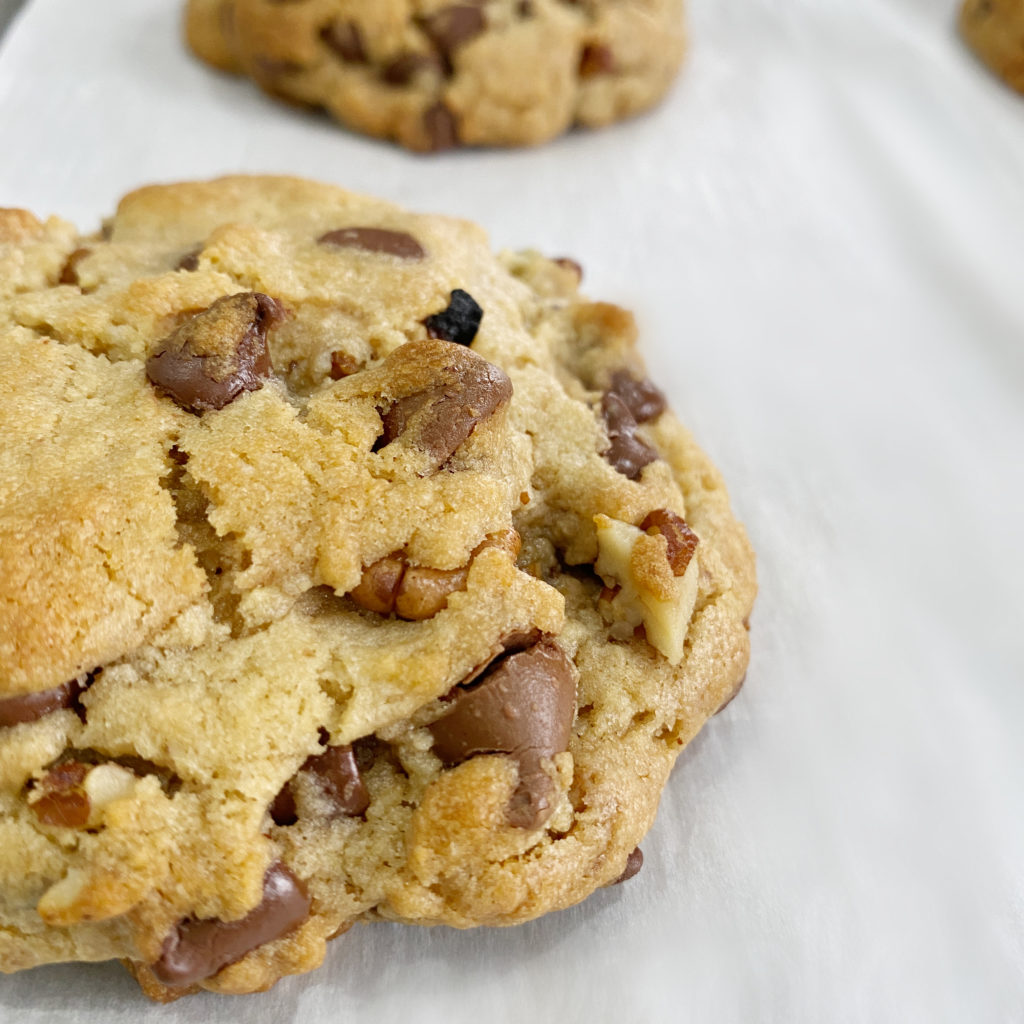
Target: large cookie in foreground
[
  {"x": 994, "y": 29},
  {"x": 431, "y": 74},
  {"x": 346, "y": 572}
]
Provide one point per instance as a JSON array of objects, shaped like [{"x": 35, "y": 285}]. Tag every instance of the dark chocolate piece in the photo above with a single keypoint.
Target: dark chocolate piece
[
  {"x": 30, "y": 707},
  {"x": 217, "y": 354},
  {"x": 459, "y": 322},
  {"x": 402, "y": 70},
  {"x": 441, "y": 127},
  {"x": 394, "y": 243},
  {"x": 345, "y": 39},
  {"x": 452, "y": 27},
  {"x": 523, "y": 707},
  {"x": 337, "y": 774},
  {"x": 626, "y": 452},
  {"x": 198, "y": 949},
  {"x": 641, "y": 397},
  {"x": 439, "y": 418},
  {"x": 634, "y": 862}
]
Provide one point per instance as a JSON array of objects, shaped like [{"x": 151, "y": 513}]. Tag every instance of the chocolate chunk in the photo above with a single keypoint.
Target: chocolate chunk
[
  {"x": 626, "y": 452},
  {"x": 217, "y": 354},
  {"x": 69, "y": 273},
  {"x": 30, "y": 707},
  {"x": 681, "y": 540},
  {"x": 459, "y": 322},
  {"x": 523, "y": 707},
  {"x": 198, "y": 949},
  {"x": 641, "y": 397},
  {"x": 441, "y": 127},
  {"x": 466, "y": 391},
  {"x": 337, "y": 775},
  {"x": 394, "y": 243},
  {"x": 452, "y": 27},
  {"x": 402, "y": 70},
  {"x": 190, "y": 261},
  {"x": 634, "y": 862},
  {"x": 345, "y": 39},
  {"x": 596, "y": 59}
]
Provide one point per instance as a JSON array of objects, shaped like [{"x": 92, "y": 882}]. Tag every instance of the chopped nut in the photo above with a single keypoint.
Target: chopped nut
[
  {"x": 650, "y": 593},
  {"x": 413, "y": 592},
  {"x": 74, "y": 795}
]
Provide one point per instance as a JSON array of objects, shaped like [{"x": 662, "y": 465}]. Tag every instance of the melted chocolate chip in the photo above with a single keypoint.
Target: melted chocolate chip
[
  {"x": 441, "y": 127},
  {"x": 437, "y": 419},
  {"x": 402, "y": 70},
  {"x": 337, "y": 775},
  {"x": 523, "y": 707},
  {"x": 681, "y": 540},
  {"x": 217, "y": 354},
  {"x": 459, "y": 322},
  {"x": 190, "y": 261},
  {"x": 626, "y": 453},
  {"x": 634, "y": 862},
  {"x": 198, "y": 949},
  {"x": 452, "y": 27},
  {"x": 596, "y": 59},
  {"x": 30, "y": 707},
  {"x": 345, "y": 39},
  {"x": 394, "y": 243},
  {"x": 640, "y": 397}
]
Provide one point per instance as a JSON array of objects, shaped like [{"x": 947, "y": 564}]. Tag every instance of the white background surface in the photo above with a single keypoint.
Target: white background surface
[{"x": 822, "y": 233}]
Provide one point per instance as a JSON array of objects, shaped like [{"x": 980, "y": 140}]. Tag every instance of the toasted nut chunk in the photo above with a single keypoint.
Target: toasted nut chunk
[
  {"x": 415, "y": 592},
  {"x": 681, "y": 540},
  {"x": 379, "y": 585},
  {"x": 74, "y": 795},
  {"x": 59, "y": 799},
  {"x": 650, "y": 593}
]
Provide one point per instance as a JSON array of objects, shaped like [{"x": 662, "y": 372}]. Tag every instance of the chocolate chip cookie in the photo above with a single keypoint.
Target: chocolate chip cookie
[
  {"x": 431, "y": 74},
  {"x": 347, "y": 572},
  {"x": 994, "y": 29}
]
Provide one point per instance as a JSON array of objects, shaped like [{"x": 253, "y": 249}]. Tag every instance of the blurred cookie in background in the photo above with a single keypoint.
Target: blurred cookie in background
[
  {"x": 432, "y": 75},
  {"x": 994, "y": 29}
]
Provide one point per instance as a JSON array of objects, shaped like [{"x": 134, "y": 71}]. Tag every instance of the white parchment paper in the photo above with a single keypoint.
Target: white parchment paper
[{"x": 822, "y": 233}]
